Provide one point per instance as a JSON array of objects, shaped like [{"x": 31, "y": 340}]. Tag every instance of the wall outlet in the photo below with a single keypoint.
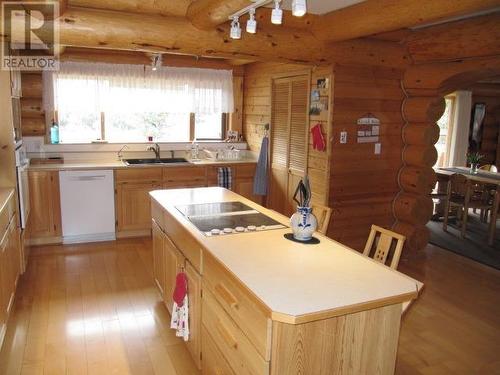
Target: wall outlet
[
  {"x": 378, "y": 148},
  {"x": 343, "y": 137}
]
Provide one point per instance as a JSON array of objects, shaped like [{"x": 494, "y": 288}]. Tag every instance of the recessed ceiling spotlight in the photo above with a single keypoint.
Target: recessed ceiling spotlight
[
  {"x": 156, "y": 60},
  {"x": 277, "y": 13},
  {"x": 299, "y": 8},
  {"x": 251, "y": 23},
  {"x": 235, "y": 29}
]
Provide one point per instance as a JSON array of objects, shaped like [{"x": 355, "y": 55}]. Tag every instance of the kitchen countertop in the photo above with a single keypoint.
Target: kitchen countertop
[
  {"x": 5, "y": 194},
  {"x": 116, "y": 164},
  {"x": 296, "y": 282}
]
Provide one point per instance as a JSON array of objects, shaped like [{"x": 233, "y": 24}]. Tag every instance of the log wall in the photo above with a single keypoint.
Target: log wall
[
  {"x": 362, "y": 184},
  {"x": 32, "y": 113},
  {"x": 257, "y": 113}
]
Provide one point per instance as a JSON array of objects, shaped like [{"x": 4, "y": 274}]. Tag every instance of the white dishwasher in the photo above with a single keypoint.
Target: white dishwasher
[{"x": 87, "y": 206}]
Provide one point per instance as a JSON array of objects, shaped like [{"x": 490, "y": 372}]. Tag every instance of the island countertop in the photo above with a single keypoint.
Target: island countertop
[{"x": 297, "y": 282}]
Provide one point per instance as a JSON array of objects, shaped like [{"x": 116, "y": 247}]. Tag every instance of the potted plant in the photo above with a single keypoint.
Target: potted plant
[{"x": 473, "y": 159}]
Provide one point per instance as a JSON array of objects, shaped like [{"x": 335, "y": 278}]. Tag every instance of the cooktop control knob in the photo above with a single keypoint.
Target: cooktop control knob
[
  {"x": 262, "y": 227},
  {"x": 239, "y": 229},
  {"x": 251, "y": 227},
  {"x": 215, "y": 232},
  {"x": 228, "y": 230}
]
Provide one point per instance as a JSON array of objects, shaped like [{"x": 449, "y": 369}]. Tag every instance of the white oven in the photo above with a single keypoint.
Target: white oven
[{"x": 22, "y": 163}]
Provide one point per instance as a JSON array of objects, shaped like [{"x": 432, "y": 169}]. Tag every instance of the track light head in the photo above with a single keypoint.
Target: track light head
[
  {"x": 277, "y": 13},
  {"x": 235, "y": 32},
  {"x": 251, "y": 23},
  {"x": 299, "y": 8}
]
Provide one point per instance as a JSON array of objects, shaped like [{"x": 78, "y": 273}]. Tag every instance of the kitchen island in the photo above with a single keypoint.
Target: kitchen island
[{"x": 261, "y": 304}]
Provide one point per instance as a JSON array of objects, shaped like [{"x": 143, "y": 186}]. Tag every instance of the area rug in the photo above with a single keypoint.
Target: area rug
[{"x": 474, "y": 246}]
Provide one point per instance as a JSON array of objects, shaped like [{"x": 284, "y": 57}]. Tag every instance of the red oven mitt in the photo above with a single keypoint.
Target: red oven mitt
[
  {"x": 180, "y": 288},
  {"x": 318, "y": 139}
]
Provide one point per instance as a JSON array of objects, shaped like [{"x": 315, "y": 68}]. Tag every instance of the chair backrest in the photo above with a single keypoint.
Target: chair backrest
[
  {"x": 384, "y": 245},
  {"x": 322, "y": 214},
  {"x": 457, "y": 185},
  {"x": 489, "y": 168}
]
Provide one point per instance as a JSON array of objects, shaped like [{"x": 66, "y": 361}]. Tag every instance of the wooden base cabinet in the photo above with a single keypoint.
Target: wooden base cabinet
[
  {"x": 45, "y": 207},
  {"x": 168, "y": 261},
  {"x": 10, "y": 263}
]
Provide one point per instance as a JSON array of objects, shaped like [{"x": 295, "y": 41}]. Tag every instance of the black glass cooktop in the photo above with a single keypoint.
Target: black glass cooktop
[
  {"x": 258, "y": 220},
  {"x": 216, "y": 208}
]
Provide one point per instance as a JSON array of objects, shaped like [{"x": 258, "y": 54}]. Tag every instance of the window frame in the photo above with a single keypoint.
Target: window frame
[{"x": 192, "y": 129}]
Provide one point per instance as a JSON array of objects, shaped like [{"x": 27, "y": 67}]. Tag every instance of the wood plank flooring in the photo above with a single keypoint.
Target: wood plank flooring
[{"x": 93, "y": 309}]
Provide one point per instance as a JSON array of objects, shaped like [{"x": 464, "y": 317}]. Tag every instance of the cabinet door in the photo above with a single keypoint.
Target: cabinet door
[
  {"x": 174, "y": 263},
  {"x": 4, "y": 278},
  {"x": 159, "y": 258},
  {"x": 194, "y": 297},
  {"x": 213, "y": 360},
  {"x": 133, "y": 206},
  {"x": 244, "y": 187},
  {"x": 45, "y": 204}
]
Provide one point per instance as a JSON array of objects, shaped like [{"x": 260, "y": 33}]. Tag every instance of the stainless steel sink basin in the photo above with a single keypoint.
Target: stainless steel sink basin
[{"x": 155, "y": 161}]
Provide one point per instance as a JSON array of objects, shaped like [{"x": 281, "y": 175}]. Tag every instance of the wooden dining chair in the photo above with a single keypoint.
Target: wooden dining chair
[
  {"x": 489, "y": 168},
  {"x": 460, "y": 195},
  {"x": 323, "y": 215},
  {"x": 384, "y": 245}
]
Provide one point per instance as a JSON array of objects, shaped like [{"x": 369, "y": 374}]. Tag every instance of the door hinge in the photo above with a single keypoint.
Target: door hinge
[
  {"x": 116, "y": 223},
  {"x": 116, "y": 191}
]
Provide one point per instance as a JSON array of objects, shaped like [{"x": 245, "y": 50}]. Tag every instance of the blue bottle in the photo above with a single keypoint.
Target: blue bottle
[{"x": 54, "y": 133}]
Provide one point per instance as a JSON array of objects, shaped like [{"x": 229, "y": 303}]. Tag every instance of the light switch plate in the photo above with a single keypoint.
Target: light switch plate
[
  {"x": 343, "y": 137},
  {"x": 378, "y": 148}
]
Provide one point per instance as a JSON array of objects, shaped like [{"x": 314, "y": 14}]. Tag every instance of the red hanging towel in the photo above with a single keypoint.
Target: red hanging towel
[
  {"x": 318, "y": 139},
  {"x": 180, "y": 290}
]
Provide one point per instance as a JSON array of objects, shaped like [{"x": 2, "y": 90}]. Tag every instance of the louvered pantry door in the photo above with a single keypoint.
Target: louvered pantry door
[{"x": 289, "y": 137}]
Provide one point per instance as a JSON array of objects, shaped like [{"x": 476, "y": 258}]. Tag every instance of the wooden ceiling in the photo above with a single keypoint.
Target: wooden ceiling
[{"x": 200, "y": 27}]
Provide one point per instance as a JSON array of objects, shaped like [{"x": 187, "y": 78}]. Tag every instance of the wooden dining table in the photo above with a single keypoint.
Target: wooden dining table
[{"x": 481, "y": 177}]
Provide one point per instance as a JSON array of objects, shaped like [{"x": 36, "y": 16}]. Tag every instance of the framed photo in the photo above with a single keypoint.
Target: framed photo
[
  {"x": 322, "y": 83},
  {"x": 315, "y": 96}
]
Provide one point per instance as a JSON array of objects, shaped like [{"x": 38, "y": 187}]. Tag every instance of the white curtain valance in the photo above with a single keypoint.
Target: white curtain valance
[{"x": 107, "y": 87}]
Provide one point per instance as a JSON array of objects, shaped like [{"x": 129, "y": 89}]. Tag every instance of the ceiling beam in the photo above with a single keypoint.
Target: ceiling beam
[
  {"x": 206, "y": 14},
  {"x": 163, "y": 7},
  {"x": 127, "y": 31},
  {"x": 377, "y": 16},
  {"x": 470, "y": 38}
]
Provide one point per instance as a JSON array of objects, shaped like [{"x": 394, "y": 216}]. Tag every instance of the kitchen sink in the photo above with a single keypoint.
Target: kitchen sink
[{"x": 155, "y": 161}]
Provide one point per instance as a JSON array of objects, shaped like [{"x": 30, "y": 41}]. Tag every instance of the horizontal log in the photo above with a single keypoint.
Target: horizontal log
[
  {"x": 420, "y": 156},
  {"x": 422, "y": 134},
  {"x": 206, "y": 14},
  {"x": 33, "y": 126},
  {"x": 32, "y": 85},
  {"x": 413, "y": 208},
  {"x": 163, "y": 7},
  {"x": 155, "y": 33},
  {"x": 472, "y": 37},
  {"x": 417, "y": 236},
  {"x": 423, "y": 109},
  {"x": 366, "y": 18},
  {"x": 32, "y": 107},
  {"x": 417, "y": 180}
]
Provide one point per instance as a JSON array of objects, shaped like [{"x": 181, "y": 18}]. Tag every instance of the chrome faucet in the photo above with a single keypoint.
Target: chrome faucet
[
  {"x": 120, "y": 153},
  {"x": 156, "y": 150},
  {"x": 172, "y": 154}
]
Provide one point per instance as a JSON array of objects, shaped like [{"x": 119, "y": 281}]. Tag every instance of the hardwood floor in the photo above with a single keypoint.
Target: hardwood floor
[{"x": 93, "y": 309}]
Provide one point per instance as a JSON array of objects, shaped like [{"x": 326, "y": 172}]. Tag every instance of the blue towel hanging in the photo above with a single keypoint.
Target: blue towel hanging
[{"x": 260, "y": 180}]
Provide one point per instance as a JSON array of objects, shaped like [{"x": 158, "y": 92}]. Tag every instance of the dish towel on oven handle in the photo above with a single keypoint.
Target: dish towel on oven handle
[
  {"x": 225, "y": 177},
  {"x": 180, "y": 310}
]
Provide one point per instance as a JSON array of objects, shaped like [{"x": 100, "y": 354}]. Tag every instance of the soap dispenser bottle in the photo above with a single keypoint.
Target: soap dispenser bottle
[{"x": 54, "y": 133}]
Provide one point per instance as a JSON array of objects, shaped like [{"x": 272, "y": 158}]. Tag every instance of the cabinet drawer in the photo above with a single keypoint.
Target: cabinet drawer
[
  {"x": 183, "y": 240},
  {"x": 245, "y": 171},
  {"x": 243, "y": 307},
  {"x": 231, "y": 341},
  {"x": 138, "y": 174},
  {"x": 214, "y": 362},
  {"x": 184, "y": 174}
]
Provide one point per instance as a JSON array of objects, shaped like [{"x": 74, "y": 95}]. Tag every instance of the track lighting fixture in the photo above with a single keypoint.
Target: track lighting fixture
[
  {"x": 156, "y": 60},
  {"x": 235, "y": 29},
  {"x": 251, "y": 23},
  {"x": 299, "y": 8},
  {"x": 277, "y": 13}
]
